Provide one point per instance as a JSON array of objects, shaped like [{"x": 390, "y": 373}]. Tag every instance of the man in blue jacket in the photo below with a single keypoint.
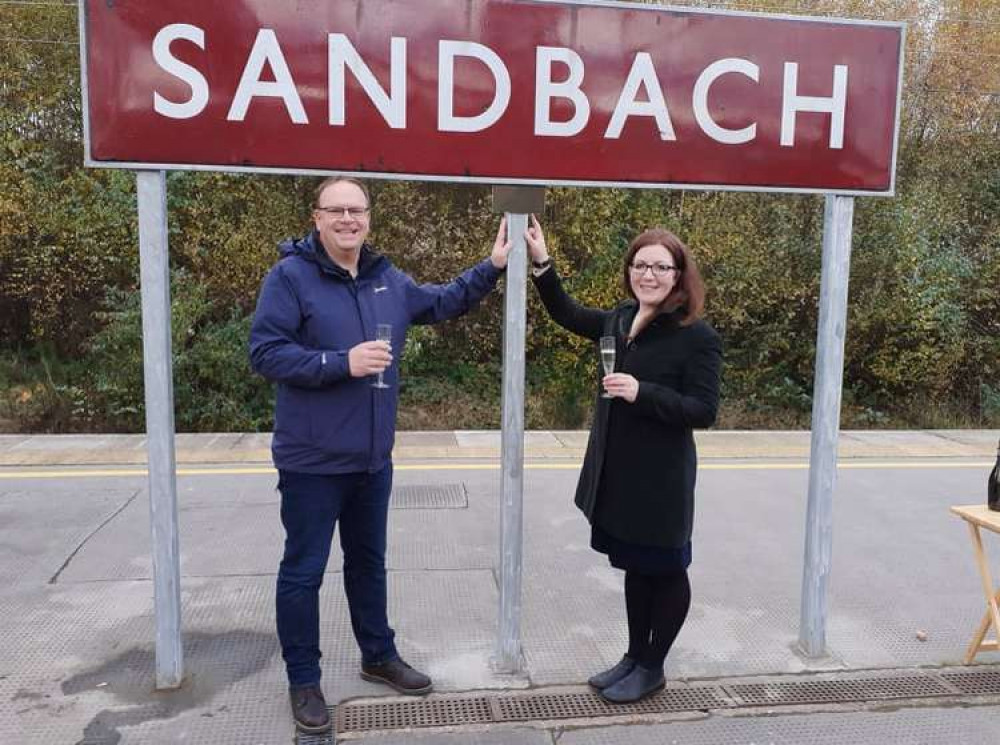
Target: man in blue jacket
[{"x": 314, "y": 335}]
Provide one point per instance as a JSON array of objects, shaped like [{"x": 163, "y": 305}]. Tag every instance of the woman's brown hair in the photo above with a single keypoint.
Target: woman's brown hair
[{"x": 688, "y": 292}]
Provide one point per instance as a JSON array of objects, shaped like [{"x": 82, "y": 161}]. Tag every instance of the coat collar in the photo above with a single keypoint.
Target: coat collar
[
  {"x": 663, "y": 321},
  {"x": 309, "y": 248}
]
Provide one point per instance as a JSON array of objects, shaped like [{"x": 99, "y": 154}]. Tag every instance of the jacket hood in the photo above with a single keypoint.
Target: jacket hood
[{"x": 297, "y": 247}]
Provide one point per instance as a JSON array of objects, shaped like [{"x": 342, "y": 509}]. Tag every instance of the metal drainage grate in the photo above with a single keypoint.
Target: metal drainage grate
[
  {"x": 973, "y": 683},
  {"x": 431, "y": 712},
  {"x": 507, "y": 707},
  {"x": 429, "y": 497},
  {"x": 327, "y": 738},
  {"x": 838, "y": 691},
  {"x": 587, "y": 705},
  {"x": 520, "y": 707}
]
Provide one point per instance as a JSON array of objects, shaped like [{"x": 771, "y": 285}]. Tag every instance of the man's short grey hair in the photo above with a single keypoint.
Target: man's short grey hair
[{"x": 331, "y": 180}]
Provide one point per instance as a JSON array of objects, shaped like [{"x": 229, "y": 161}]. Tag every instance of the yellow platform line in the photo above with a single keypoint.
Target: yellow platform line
[{"x": 73, "y": 473}]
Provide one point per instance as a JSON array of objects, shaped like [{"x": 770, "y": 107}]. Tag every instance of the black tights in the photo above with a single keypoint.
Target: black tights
[{"x": 657, "y": 606}]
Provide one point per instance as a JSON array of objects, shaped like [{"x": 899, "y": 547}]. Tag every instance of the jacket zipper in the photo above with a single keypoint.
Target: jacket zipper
[{"x": 374, "y": 408}]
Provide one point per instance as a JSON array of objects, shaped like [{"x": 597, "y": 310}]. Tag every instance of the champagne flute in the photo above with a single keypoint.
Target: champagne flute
[
  {"x": 607, "y": 359},
  {"x": 383, "y": 332}
]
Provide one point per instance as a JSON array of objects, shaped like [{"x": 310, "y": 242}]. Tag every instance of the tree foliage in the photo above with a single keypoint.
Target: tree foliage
[{"x": 923, "y": 341}]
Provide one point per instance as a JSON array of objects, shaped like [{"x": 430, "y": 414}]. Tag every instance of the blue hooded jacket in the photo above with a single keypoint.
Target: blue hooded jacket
[{"x": 310, "y": 313}]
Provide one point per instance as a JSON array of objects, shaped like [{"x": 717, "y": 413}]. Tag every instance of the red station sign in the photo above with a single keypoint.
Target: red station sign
[{"x": 494, "y": 91}]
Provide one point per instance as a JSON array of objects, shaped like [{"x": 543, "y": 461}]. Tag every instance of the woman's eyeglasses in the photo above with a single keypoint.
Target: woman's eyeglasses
[{"x": 659, "y": 269}]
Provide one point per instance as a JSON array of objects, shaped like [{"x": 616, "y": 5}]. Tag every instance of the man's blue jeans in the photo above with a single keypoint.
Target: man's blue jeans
[{"x": 311, "y": 506}]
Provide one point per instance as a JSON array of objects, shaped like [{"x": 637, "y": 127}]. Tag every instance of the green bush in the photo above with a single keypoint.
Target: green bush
[
  {"x": 41, "y": 392},
  {"x": 214, "y": 388}
]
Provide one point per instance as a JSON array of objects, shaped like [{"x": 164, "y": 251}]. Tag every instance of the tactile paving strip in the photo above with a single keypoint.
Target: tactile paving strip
[{"x": 429, "y": 497}]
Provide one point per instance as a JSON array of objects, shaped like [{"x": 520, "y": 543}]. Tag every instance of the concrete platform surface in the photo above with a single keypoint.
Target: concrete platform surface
[{"x": 77, "y": 609}]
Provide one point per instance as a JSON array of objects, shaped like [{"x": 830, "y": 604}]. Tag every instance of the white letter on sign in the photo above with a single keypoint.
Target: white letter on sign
[
  {"x": 199, "y": 86},
  {"x": 793, "y": 102},
  {"x": 266, "y": 50},
  {"x": 642, "y": 73},
  {"x": 546, "y": 90},
  {"x": 700, "y": 100},
  {"x": 392, "y": 106},
  {"x": 447, "y": 121}
]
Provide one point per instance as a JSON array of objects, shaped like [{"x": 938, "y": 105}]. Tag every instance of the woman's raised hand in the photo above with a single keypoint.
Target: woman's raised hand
[{"x": 536, "y": 241}]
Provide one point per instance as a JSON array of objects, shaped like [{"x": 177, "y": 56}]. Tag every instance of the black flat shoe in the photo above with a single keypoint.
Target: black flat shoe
[
  {"x": 636, "y": 685},
  {"x": 398, "y": 675},
  {"x": 309, "y": 709},
  {"x": 609, "y": 677}
]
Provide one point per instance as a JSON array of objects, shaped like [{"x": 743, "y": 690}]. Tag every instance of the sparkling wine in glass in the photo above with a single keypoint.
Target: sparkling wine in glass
[
  {"x": 607, "y": 359},
  {"x": 383, "y": 332}
]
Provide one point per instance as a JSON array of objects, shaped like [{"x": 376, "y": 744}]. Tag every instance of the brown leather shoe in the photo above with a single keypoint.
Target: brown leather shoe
[
  {"x": 397, "y": 674},
  {"x": 309, "y": 709}
]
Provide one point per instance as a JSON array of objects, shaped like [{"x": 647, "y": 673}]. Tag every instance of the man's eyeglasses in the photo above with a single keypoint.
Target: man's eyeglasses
[
  {"x": 355, "y": 213},
  {"x": 659, "y": 269}
]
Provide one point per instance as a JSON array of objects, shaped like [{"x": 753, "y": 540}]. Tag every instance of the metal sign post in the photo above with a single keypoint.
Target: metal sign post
[
  {"x": 516, "y": 203},
  {"x": 158, "y": 375},
  {"x": 837, "y": 222},
  {"x": 508, "y": 658}
]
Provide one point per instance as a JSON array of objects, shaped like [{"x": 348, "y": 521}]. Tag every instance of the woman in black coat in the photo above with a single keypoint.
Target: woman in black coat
[{"x": 637, "y": 482}]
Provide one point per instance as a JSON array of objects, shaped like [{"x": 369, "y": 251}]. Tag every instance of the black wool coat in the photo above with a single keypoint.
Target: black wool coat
[{"x": 638, "y": 476}]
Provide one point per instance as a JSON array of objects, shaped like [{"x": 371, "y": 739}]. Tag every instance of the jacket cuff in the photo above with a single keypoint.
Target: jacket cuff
[
  {"x": 641, "y": 396},
  {"x": 547, "y": 278},
  {"x": 334, "y": 366},
  {"x": 645, "y": 397},
  {"x": 491, "y": 271}
]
